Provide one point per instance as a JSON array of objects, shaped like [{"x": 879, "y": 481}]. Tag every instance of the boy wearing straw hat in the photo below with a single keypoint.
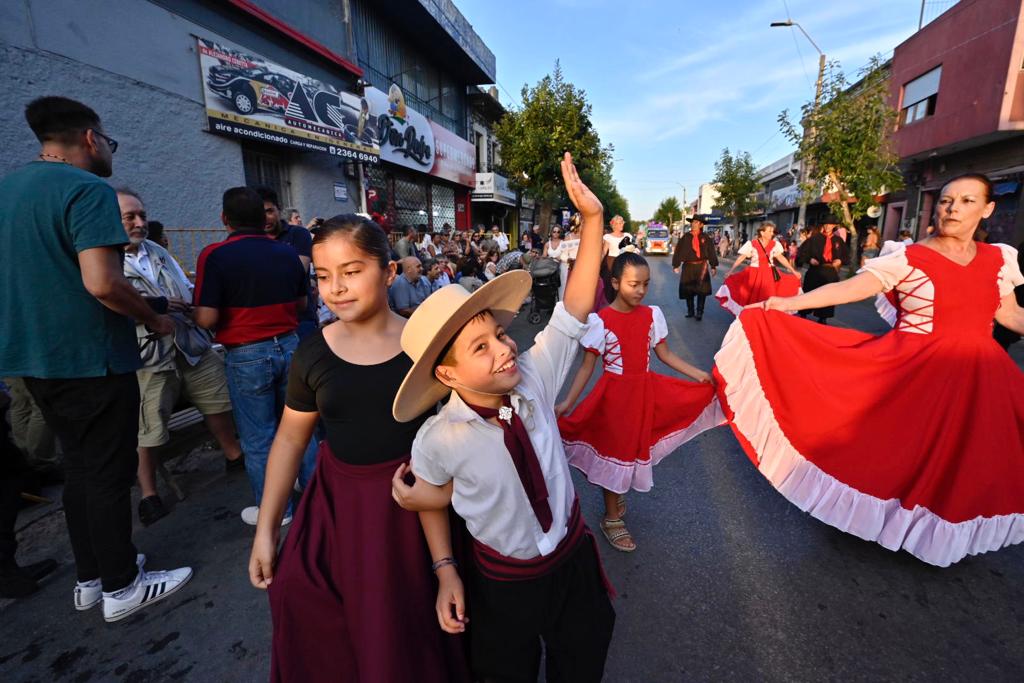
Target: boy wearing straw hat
[{"x": 494, "y": 450}]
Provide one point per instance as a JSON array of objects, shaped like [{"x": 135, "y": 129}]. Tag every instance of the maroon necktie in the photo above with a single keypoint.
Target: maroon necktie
[
  {"x": 517, "y": 441},
  {"x": 827, "y": 252}
]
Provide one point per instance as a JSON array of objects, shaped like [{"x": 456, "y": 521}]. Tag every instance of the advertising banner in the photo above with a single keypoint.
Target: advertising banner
[
  {"x": 249, "y": 97},
  {"x": 409, "y": 139}
]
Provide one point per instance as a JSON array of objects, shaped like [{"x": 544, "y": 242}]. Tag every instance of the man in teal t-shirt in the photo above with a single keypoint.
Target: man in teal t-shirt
[{"x": 68, "y": 314}]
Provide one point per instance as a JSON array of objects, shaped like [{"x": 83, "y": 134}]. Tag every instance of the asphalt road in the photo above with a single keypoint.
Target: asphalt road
[{"x": 730, "y": 582}]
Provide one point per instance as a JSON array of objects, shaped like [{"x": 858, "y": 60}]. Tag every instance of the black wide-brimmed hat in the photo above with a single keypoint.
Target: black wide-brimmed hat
[{"x": 697, "y": 218}]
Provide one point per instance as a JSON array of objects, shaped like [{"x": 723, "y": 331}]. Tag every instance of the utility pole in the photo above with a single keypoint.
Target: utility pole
[{"x": 804, "y": 164}]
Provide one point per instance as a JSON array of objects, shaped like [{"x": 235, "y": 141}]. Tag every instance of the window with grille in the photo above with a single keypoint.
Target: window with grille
[{"x": 269, "y": 170}]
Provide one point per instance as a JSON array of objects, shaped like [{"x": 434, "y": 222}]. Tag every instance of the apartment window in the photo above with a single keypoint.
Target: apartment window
[
  {"x": 919, "y": 97},
  {"x": 481, "y": 153}
]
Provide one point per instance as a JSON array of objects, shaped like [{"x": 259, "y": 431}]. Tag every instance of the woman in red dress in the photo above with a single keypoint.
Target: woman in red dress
[
  {"x": 632, "y": 418},
  {"x": 762, "y": 279},
  {"x": 941, "y": 472}
]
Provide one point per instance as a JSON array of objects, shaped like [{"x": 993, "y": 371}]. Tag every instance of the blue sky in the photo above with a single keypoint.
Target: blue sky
[{"x": 673, "y": 82}]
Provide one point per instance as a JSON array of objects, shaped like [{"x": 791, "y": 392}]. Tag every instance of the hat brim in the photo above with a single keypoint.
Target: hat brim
[{"x": 420, "y": 390}]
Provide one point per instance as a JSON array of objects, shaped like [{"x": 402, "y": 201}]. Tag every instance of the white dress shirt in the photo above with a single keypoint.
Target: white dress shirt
[{"x": 459, "y": 444}]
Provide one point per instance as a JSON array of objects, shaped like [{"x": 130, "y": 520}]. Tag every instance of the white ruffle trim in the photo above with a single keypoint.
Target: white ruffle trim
[
  {"x": 919, "y": 531},
  {"x": 620, "y": 476},
  {"x": 725, "y": 298},
  {"x": 885, "y": 309}
]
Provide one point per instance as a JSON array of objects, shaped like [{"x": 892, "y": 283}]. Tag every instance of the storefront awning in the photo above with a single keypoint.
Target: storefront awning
[{"x": 493, "y": 187}]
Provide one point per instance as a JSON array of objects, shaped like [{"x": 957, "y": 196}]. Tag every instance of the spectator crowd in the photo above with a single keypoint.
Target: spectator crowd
[{"x": 92, "y": 378}]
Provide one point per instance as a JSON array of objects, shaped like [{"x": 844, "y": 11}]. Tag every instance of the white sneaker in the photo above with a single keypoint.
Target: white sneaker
[
  {"x": 148, "y": 588},
  {"x": 89, "y": 593},
  {"x": 251, "y": 516}
]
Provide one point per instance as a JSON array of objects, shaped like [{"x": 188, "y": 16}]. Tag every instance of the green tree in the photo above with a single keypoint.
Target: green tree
[
  {"x": 668, "y": 211},
  {"x": 554, "y": 119},
  {"x": 846, "y": 143},
  {"x": 736, "y": 180},
  {"x": 601, "y": 182}
]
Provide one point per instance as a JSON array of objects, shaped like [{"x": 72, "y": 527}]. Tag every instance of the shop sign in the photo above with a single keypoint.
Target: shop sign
[
  {"x": 493, "y": 187},
  {"x": 252, "y": 98},
  {"x": 341, "y": 191},
  {"x": 409, "y": 139}
]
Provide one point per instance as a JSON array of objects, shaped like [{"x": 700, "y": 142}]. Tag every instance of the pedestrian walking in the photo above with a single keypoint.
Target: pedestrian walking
[
  {"x": 538, "y": 577},
  {"x": 633, "y": 417},
  {"x": 762, "y": 279},
  {"x": 77, "y": 349},
  {"x": 942, "y": 478},
  {"x": 824, "y": 253},
  {"x": 249, "y": 288},
  {"x": 297, "y": 237},
  {"x": 181, "y": 363},
  {"x": 696, "y": 261},
  {"x": 352, "y": 586}
]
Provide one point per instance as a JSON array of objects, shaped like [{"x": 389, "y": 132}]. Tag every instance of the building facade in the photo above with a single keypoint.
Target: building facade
[
  {"x": 959, "y": 86},
  {"x": 339, "y": 105}
]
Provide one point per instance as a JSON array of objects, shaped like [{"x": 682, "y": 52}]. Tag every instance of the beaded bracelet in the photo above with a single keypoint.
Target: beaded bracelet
[{"x": 443, "y": 562}]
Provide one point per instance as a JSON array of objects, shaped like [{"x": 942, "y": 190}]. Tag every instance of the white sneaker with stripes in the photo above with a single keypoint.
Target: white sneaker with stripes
[
  {"x": 89, "y": 593},
  {"x": 148, "y": 588}
]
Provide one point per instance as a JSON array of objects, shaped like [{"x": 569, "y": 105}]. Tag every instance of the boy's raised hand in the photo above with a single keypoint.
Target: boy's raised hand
[{"x": 583, "y": 199}]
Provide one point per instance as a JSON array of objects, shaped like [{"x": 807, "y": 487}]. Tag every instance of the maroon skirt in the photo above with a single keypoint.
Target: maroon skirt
[{"x": 353, "y": 595}]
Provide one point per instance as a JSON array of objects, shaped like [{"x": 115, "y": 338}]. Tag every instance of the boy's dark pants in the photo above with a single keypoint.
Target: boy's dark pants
[{"x": 569, "y": 609}]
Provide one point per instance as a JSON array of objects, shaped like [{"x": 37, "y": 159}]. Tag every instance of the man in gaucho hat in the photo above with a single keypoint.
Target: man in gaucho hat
[{"x": 694, "y": 257}]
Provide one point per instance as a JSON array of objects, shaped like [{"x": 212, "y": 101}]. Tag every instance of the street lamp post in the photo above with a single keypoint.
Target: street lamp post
[{"x": 802, "y": 217}]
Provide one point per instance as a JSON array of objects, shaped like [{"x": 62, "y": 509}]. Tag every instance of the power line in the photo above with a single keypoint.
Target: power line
[{"x": 796, "y": 44}]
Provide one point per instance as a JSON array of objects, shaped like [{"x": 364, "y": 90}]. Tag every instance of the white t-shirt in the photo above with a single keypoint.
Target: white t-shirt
[
  {"x": 613, "y": 243},
  {"x": 457, "y": 444},
  {"x": 502, "y": 241}
]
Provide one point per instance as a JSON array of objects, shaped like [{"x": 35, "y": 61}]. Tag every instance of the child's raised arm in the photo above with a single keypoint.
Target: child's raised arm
[
  {"x": 579, "y": 293},
  {"x": 580, "y": 381}
]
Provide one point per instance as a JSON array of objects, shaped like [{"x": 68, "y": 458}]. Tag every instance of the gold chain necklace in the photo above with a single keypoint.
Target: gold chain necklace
[{"x": 44, "y": 156}]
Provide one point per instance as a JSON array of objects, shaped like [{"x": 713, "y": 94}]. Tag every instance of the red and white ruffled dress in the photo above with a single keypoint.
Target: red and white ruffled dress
[
  {"x": 756, "y": 282},
  {"x": 633, "y": 417},
  {"x": 913, "y": 439}
]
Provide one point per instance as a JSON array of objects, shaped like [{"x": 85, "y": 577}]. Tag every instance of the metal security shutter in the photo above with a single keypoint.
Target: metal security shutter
[
  {"x": 410, "y": 202},
  {"x": 444, "y": 205}
]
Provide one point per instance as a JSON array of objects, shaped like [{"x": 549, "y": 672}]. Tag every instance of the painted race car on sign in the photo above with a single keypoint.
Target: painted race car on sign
[
  {"x": 656, "y": 241},
  {"x": 250, "y": 90}
]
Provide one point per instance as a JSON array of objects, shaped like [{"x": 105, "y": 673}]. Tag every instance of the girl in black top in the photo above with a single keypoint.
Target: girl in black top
[{"x": 352, "y": 588}]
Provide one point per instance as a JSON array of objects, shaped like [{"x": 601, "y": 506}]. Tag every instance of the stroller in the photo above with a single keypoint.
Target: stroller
[{"x": 546, "y": 281}]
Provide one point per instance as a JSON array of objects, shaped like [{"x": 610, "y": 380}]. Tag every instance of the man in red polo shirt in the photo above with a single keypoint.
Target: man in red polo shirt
[{"x": 250, "y": 289}]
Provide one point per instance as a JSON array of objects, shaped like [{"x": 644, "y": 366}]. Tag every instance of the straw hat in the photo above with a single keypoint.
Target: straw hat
[{"x": 437, "y": 321}]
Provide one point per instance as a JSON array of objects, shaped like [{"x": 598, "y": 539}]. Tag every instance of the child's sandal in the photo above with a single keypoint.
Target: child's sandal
[{"x": 617, "y": 535}]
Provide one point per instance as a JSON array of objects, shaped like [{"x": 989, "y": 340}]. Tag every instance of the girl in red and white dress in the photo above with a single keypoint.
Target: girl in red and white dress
[
  {"x": 632, "y": 418},
  {"x": 762, "y": 279},
  {"x": 940, "y": 473}
]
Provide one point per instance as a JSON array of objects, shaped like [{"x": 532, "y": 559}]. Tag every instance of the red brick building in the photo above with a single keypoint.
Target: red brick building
[{"x": 959, "y": 86}]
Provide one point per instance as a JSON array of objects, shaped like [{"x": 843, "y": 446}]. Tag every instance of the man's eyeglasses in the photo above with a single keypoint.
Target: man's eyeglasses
[{"x": 111, "y": 142}]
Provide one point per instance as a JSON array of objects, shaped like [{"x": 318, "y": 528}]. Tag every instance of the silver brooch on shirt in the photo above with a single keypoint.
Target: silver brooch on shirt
[{"x": 505, "y": 413}]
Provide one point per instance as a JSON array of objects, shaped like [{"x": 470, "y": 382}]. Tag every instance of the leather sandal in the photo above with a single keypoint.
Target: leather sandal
[{"x": 617, "y": 535}]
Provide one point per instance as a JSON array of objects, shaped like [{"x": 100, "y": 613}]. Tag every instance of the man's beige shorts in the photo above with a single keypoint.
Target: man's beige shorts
[{"x": 205, "y": 386}]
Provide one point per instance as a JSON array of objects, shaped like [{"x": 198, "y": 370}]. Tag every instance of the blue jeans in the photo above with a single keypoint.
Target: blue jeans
[{"x": 257, "y": 377}]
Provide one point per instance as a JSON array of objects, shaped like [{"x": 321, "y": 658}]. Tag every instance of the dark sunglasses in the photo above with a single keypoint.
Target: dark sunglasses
[{"x": 111, "y": 142}]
